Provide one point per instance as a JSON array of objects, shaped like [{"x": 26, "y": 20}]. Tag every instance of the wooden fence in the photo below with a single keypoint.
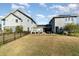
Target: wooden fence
[{"x": 6, "y": 37}]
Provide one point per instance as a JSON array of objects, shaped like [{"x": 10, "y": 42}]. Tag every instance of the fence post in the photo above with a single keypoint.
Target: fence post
[
  {"x": 20, "y": 34},
  {"x": 14, "y": 35},
  {"x": 3, "y": 38}
]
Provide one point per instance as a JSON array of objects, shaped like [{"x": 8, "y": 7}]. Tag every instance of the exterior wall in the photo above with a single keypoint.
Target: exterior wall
[
  {"x": 71, "y": 20},
  {"x": 52, "y": 24},
  {"x": 10, "y": 21},
  {"x": 27, "y": 22},
  {"x": 37, "y": 29},
  {"x": 61, "y": 22}
]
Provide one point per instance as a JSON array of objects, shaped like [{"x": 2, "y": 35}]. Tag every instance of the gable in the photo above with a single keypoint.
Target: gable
[
  {"x": 23, "y": 15},
  {"x": 10, "y": 16}
]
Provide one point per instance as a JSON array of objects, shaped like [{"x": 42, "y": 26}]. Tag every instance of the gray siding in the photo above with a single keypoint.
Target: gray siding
[{"x": 61, "y": 22}]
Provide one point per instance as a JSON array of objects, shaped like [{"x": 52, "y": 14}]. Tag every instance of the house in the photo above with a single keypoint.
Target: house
[
  {"x": 18, "y": 18},
  {"x": 57, "y": 23},
  {"x": 0, "y": 23}
]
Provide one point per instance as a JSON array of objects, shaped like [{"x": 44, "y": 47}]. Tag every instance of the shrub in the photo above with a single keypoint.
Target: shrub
[
  {"x": 71, "y": 28},
  {"x": 8, "y": 30},
  {"x": 19, "y": 29}
]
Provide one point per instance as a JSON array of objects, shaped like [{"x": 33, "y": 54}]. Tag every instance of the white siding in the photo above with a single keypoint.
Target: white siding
[
  {"x": 11, "y": 21},
  {"x": 59, "y": 22},
  {"x": 26, "y": 24}
]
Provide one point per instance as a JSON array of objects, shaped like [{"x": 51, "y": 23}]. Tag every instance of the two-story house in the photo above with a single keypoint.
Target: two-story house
[
  {"x": 18, "y": 18},
  {"x": 60, "y": 21}
]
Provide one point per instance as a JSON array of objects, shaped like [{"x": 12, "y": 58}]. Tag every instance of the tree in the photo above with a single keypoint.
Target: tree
[
  {"x": 8, "y": 30},
  {"x": 71, "y": 27},
  {"x": 19, "y": 29}
]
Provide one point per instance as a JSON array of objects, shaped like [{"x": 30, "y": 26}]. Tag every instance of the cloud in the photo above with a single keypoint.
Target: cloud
[
  {"x": 15, "y": 6},
  {"x": 51, "y": 16},
  {"x": 41, "y": 19},
  {"x": 40, "y": 16},
  {"x": 24, "y": 4},
  {"x": 73, "y": 6},
  {"x": 43, "y": 4},
  {"x": 29, "y": 11},
  {"x": 1, "y": 16},
  {"x": 20, "y": 5},
  {"x": 65, "y": 9},
  {"x": 59, "y": 8}
]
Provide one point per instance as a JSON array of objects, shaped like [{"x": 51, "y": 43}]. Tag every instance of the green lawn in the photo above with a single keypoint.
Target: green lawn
[{"x": 42, "y": 45}]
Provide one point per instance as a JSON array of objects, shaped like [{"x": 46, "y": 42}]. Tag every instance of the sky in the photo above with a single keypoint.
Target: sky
[{"x": 42, "y": 13}]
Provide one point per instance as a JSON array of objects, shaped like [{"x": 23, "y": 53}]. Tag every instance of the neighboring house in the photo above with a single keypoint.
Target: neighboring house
[
  {"x": 18, "y": 18},
  {"x": 0, "y": 22},
  {"x": 57, "y": 23}
]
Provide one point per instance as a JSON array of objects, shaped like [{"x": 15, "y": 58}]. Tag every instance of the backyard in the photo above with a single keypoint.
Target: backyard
[{"x": 42, "y": 45}]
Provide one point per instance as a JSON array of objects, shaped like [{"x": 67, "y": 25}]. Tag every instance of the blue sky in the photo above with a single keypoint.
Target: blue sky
[{"x": 41, "y": 12}]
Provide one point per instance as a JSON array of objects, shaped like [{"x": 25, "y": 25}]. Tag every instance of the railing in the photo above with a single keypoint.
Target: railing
[{"x": 6, "y": 37}]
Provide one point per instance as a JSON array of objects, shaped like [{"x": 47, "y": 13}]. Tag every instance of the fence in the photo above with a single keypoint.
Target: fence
[{"x": 6, "y": 37}]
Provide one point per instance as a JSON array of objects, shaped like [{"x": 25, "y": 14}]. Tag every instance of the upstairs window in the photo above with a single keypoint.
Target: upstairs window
[
  {"x": 69, "y": 18},
  {"x": 31, "y": 22},
  {"x": 3, "y": 21},
  {"x": 66, "y": 19},
  {"x": 21, "y": 20},
  {"x": 72, "y": 19},
  {"x": 28, "y": 20},
  {"x": 16, "y": 20},
  {"x": 0, "y": 25}
]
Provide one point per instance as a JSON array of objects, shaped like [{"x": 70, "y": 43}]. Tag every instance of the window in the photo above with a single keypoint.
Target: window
[
  {"x": 31, "y": 22},
  {"x": 57, "y": 29},
  {"x": 66, "y": 19},
  {"x": 16, "y": 20},
  {"x": 0, "y": 26},
  {"x": 28, "y": 29},
  {"x": 21, "y": 20},
  {"x": 72, "y": 19},
  {"x": 28, "y": 20},
  {"x": 69, "y": 18},
  {"x": 3, "y": 21}
]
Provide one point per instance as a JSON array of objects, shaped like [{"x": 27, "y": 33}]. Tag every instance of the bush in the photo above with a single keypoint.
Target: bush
[
  {"x": 19, "y": 29},
  {"x": 8, "y": 30},
  {"x": 71, "y": 28}
]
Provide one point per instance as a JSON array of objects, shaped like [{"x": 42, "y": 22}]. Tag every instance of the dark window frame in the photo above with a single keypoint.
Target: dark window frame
[{"x": 16, "y": 20}]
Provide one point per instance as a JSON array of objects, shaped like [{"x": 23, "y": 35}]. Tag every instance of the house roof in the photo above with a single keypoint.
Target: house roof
[
  {"x": 44, "y": 26},
  {"x": 13, "y": 15},
  {"x": 63, "y": 16},
  {"x": 24, "y": 15},
  {"x": 17, "y": 16}
]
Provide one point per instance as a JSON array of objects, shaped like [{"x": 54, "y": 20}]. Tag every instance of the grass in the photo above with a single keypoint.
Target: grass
[
  {"x": 75, "y": 34},
  {"x": 9, "y": 37},
  {"x": 42, "y": 45}
]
